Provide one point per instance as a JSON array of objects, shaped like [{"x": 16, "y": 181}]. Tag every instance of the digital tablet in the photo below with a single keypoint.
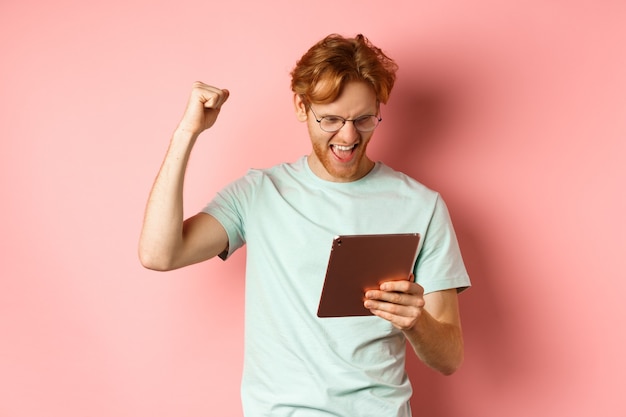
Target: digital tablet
[{"x": 358, "y": 263}]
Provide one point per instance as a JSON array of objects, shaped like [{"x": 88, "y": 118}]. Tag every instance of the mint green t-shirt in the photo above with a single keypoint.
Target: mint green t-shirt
[{"x": 297, "y": 364}]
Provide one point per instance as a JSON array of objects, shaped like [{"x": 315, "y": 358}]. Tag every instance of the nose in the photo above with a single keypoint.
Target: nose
[{"x": 349, "y": 132}]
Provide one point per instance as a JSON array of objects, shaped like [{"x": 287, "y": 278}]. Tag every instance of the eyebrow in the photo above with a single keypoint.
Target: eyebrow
[{"x": 341, "y": 117}]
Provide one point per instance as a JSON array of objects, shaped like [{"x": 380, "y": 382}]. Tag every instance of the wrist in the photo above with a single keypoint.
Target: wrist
[
  {"x": 184, "y": 134},
  {"x": 181, "y": 144}
]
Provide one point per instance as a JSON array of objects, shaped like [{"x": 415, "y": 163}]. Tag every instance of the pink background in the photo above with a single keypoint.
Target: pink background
[{"x": 515, "y": 113}]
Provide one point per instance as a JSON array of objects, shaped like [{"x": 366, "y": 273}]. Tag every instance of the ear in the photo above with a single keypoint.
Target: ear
[{"x": 300, "y": 107}]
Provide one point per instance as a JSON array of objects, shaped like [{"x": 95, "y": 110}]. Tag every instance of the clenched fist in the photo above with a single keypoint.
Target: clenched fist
[{"x": 203, "y": 107}]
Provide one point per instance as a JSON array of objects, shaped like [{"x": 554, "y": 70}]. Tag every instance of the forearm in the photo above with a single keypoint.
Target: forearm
[
  {"x": 162, "y": 232},
  {"x": 438, "y": 344}
]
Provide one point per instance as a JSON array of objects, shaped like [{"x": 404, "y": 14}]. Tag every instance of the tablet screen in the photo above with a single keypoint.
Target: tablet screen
[{"x": 358, "y": 263}]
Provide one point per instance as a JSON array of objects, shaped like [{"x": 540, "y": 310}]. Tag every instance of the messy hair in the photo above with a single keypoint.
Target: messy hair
[{"x": 322, "y": 72}]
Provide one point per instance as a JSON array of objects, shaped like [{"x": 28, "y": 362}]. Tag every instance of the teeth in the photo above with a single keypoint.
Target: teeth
[{"x": 343, "y": 148}]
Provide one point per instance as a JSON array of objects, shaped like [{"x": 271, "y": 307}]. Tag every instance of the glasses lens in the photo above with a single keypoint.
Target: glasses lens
[
  {"x": 366, "y": 123},
  {"x": 331, "y": 123}
]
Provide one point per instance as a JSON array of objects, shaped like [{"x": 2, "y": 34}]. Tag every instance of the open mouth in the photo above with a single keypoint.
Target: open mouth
[{"x": 343, "y": 153}]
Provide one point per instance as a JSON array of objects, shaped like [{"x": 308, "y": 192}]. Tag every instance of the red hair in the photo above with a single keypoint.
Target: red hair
[{"x": 322, "y": 72}]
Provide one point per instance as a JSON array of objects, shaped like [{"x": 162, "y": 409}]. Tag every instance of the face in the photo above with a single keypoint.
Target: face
[{"x": 340, "y": 156}]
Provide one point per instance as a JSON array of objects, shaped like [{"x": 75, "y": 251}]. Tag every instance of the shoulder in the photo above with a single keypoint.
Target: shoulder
[
  {"x": 258, "y": 178},
  {"x": 281, "y": 172},
  {"x": 402, "y": 182},
  {"x": 283, "y": 168}
]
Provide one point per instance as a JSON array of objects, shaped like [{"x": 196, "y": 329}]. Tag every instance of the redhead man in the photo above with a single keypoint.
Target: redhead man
[{"x": 296, "y": 363}]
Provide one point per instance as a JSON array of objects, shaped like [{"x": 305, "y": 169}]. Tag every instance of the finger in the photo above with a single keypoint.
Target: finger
[
  {"x": 397, "y": 298},
  {"x": 211, "y": 97},
  {"x": 216, "y": 99},
  {"x": 225, "y": 95},
  {"x": 408, "y": 306},
  {"x": 404, "y": 286},
  {"x": 392, "y": 312},
  {"x": 399, "y": 321}
]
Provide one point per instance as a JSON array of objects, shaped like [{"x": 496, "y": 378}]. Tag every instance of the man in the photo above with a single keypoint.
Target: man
[{"x": 297, "y": 364}]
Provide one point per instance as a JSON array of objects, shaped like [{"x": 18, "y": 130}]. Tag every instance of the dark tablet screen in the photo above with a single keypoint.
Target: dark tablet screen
[{"x": 361, "y": 262}]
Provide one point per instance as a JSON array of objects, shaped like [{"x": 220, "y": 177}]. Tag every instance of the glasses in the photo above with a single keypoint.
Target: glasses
[{"x": 332, "y": 124}]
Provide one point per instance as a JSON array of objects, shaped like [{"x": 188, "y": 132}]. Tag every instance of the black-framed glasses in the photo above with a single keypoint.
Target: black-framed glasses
[{"x": 332, "y": 124}]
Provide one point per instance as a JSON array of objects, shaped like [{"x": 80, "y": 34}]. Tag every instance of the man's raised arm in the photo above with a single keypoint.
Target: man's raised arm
[{"x": 167, "y": 242}]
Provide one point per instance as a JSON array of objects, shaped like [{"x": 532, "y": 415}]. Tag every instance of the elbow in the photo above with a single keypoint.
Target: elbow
[
  {"x": 153, "y": 261},
  {"x": 450, "y": 369},
  {"x": 451, "y": 366},
  {"x": 153, "y": 264}
]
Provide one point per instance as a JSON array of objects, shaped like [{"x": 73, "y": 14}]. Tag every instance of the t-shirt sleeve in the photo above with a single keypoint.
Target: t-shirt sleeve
[
  {"x": 439, "y": 264},
  {"x": 230, "y": 207}
]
